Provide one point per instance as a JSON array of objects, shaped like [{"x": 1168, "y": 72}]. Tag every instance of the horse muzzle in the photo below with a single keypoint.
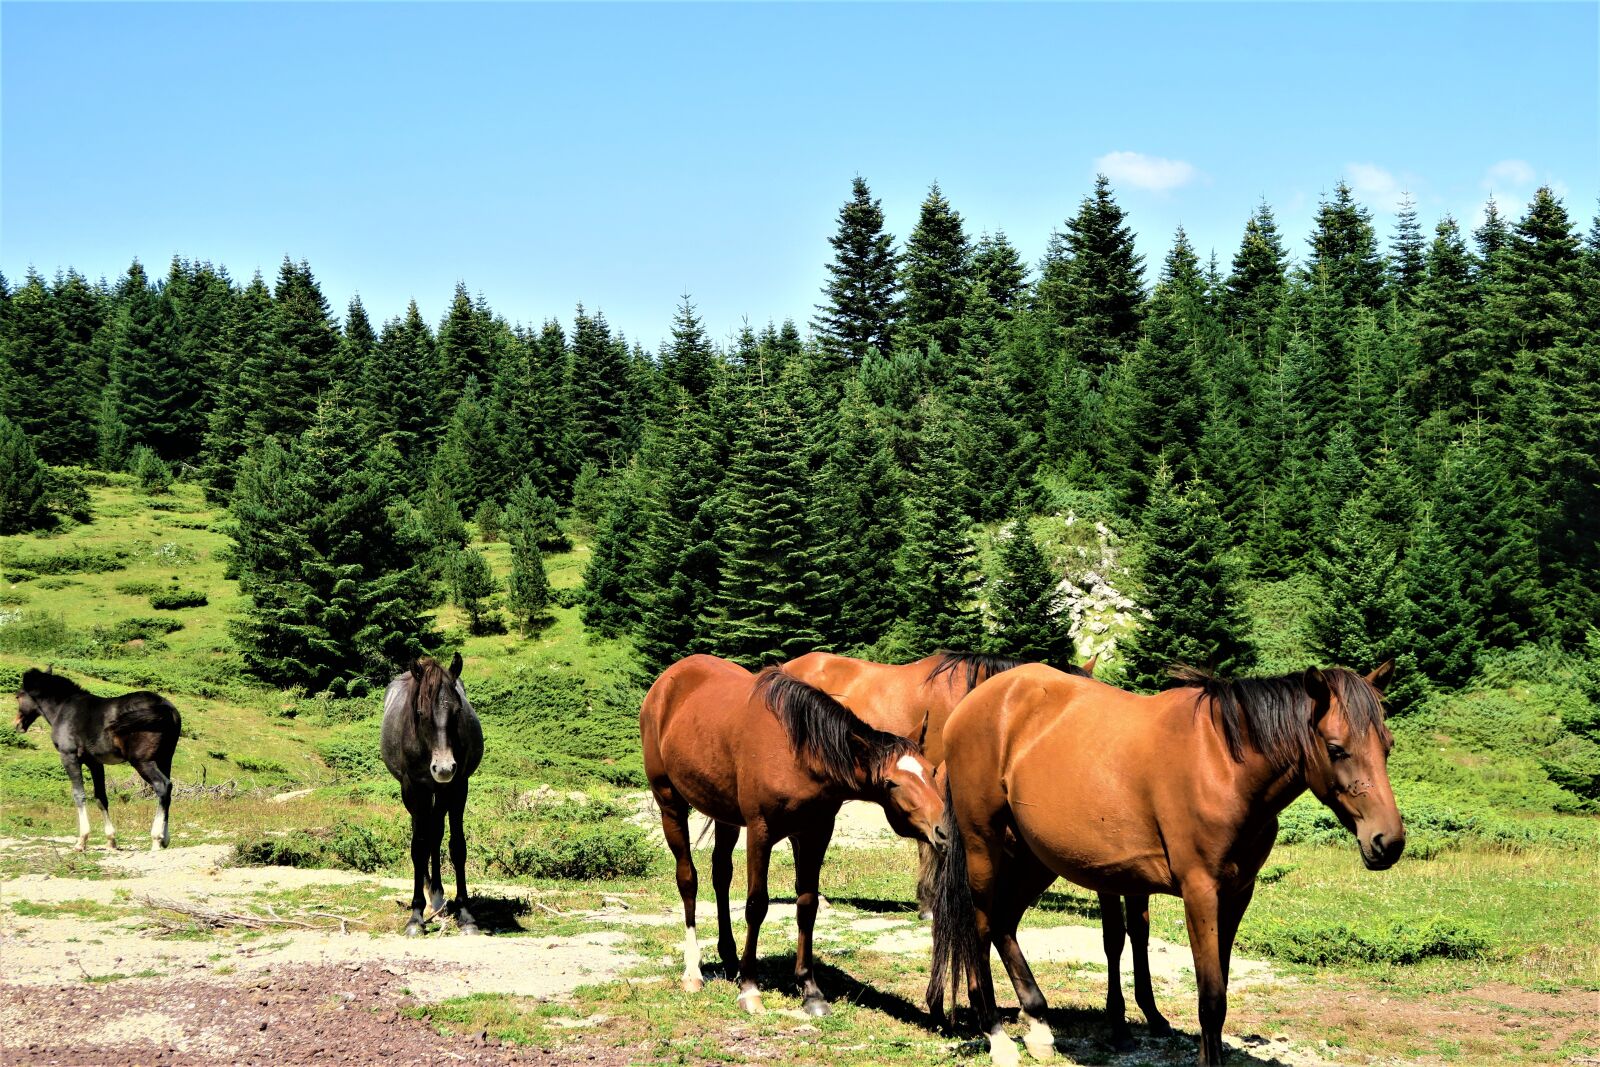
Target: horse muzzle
[
  {"x": 939, "y": 839},
  {"x": 442, "y": 774},
  {"x": 1381, "y": 852}
]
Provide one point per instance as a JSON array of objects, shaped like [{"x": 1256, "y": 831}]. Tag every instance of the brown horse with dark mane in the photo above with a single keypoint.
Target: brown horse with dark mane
[
  {"x": 1052, "y": 776},
  {"x": 141, "y": 729},
  {"x": 778, "y": 757},
  {"x": 910, "y": 699}
]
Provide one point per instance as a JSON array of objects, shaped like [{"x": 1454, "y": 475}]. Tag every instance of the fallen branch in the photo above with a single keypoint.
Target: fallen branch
[{"x": 218, "y": 919}]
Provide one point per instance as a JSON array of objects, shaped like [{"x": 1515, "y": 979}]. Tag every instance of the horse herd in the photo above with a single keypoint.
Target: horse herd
[{"x": 1010, "y": 775}]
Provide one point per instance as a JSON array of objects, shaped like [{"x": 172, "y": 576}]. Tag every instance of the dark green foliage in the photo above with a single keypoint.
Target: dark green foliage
[
  {"x": 40, "y": 391},
  {"x": 471, "y": 585},
  {"x": 300, "y": 359},
  {"x": 528, "y": 592},
  {"x": 611, "y": 591},
  {"x": 24, "y": 482},
  {"x": 1030, "y": 622},
  {"x": 1345, "y": 247},
  {"x": 334, "y": 581},
  {"x": 935, "y": 273},
  {"x": 581, "y": 852},
  {"x": 939, "y": 578},
  {"x": 237, "y": 385},
  {"x": 174, "y": 598},
  {"x": 153, "y": 475},
  {"x": 488, "y": 519},
  {"x": 597, "y": 384},
  {"x": 465, "y": 349},
  {"x": 858, "y": 309},
  {"x": 468, "y": 460},
  {"x": 1196, "y": 613},
  {"x": 397, "y": 386},
  {"x": 688, "y": 362},
  {"x": 1399, "y": 941},
  {"x": 1407, "y": 261},
  {"x": 998, "y": 266},
  {"x": 1356, "y": 623},
  {"x": 1091, "y": 291}
]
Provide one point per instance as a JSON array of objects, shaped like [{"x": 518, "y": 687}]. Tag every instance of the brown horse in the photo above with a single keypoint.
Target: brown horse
[
  {"x": 778, "y": 757},
  {"x": 1051, "y": 776},
  {"x": 909, "y": 699}
]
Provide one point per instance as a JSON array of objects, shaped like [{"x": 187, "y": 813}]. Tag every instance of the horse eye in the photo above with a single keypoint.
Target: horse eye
[
  {"x": 893, "y": 784},
  {"x": 1337, "y": 753}
]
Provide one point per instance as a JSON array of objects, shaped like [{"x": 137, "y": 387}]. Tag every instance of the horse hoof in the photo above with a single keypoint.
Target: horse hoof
[
  {"x": 111, "y": 844},
  {"x": 1040, "y": 1042},
  {"x": 1003, "y": 1051},
  {"x": 926, "y": 915},
  {"x": 1159, "y": 1027},
  {"x": 750, "y": 1001},
  {"x": 693, "y": 985},
  {"x": 1123, "y": 1043},
  {"x": 81, "y": 846},
  {"x": 468, "y": 929},
  {"x": 816, "y": 1007},
  {"x": 413, "y": 929}
]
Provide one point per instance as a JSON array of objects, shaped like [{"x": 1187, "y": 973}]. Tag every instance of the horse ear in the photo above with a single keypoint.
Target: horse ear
[
  {"x": 455, "y": 666},
  {"x": 416, "y": 671},
  {"x": 922, "y": 734},
  {"x": 1088, "y": 664},
  {"x": 1381, "y": 676},
  {"x": 1319, "y": 691}
]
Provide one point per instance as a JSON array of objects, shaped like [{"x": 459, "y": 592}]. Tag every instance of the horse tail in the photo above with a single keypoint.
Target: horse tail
[{"x": 957, "y": 951}]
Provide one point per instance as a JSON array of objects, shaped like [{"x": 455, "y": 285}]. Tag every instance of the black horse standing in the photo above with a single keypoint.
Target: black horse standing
[
  {"x": 432, "y": 743},
  {"x": 89, "y": 731}
]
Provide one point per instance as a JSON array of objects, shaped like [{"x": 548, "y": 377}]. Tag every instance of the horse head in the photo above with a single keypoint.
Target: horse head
[
  {"x": 914, "y": 807},
  {"x": 436, "y": 700},
  {"x": 1349, "y": 769}
]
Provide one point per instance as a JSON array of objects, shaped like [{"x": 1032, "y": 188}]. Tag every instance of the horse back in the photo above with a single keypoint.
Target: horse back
[
  {"x": 139, "y": 726},
  {"x": 888, "y": 697}
]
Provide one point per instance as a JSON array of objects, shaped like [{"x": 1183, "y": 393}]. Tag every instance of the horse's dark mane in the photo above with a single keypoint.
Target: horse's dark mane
[
  {"x": 1274, "y": 712},
  {"x": 826, "y": 732},
  {"x": 980, "y": 666},
  {"x": 50, "y": 686}
]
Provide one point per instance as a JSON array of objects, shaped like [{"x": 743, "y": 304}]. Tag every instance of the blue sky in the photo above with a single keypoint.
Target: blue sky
[{"x": 622, "y": 155}]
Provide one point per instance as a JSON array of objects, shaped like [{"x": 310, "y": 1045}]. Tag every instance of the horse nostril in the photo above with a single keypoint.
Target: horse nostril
[{"x": 1377, "y": 844}]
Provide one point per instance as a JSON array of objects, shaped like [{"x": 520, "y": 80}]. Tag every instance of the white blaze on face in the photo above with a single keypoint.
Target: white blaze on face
[{"x": 911, "y": 765}]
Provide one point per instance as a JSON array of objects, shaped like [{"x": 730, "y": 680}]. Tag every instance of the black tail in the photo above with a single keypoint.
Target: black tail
[{"x": 956, "y": 948}]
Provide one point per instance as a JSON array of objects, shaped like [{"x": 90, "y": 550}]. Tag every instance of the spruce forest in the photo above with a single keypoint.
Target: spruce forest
[{"x": 1377, "y": 444}]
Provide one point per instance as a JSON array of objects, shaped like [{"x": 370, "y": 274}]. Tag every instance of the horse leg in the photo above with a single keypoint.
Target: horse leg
[
  {"x": 97, "y": 774},
  {"x": 758, "y": 854},
  {"x": 986, "y": 872},
  {"x": 675, "y": 827},
  {"x": 75, "y": 776},
  {"x": 161, "y": 782},
  {"x": 435, "y": 878},
  {"x": 419, "y": 802},
  {"x": 727, "y": 836},
  {"x": 1230, "y": 911},
  {"x": 810, "y": 848},
  {"x": 1201, "y": 912},
  {"x": 1139, "y": 941},
  {"x": 1025, "y": 879},
  {"x": 927, "y": 875},
  {"x": 458, "y": 859},
  {"x": 1111, "y": 933}
]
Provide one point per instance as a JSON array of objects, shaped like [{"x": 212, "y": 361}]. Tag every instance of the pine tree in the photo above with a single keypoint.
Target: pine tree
[
  {"x": 688, "y": 361},
  {"x": 998, "y": 266},
  {"x": 858, "y": 311},
  {"x": 35, "y": 386},
  {"x": 611, "y": 586},
  {"x": 357, "y": 345},
  {"x": 1257, "y": 284},
  {"x": 935, "y": 273},
  {"x": 1445, "y": 301},
  {"x": 767, "y": 605},
  {"x": 156, "y": 395},
  {"x": 939, "y": 579},
  {"x": 1436, "y": 628},
  {"x": 1407, "y": 259},
  {"x": 464, "y": 350},
  {"x": 471, "y": 585},
  {"x": 468, "y": 460},
  {"x": 335, "y": 591},
  {"x": 528, "y": 592},
  {"x": 83, "y": 312},
  {"x": 202, "y": 298},
  {"x": 1025, "y": 604},
  {"x": 1346, "y": 246},
  {"x": 298, "y": 363},
  {"x": 1357, "y": 619},
  {"x": 1196, "y": 615},
  {"x": 597, "y": 384},
  {"x": 397, "y": 387},
  {"x": 1092, "y": 288},
  {"x": 248, "y": 344},
  {"x": 24, "y": 482}
]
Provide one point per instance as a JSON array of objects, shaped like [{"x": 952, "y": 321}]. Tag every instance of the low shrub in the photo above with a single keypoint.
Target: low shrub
[
  {"x": 33, "y": 632},
  {"x": 258, "y": 766},
  {"x": 139, "y": 587},
  {"x": 149, "y": 470},
  {"x": 1399, "y": 941},
  {"x": 298, "y": 848},
  {"x": 9, "y": 738},
  {"x": 57, "y": 581},
  {"x": 171, "y": 599},
  {"x": 574, "y": 852},
  {"x": 12, "y": 597},
  {"x": 75, "y": 560},
  {"x": 365, "y": 847},
  {"x": 353, "y": 753}
]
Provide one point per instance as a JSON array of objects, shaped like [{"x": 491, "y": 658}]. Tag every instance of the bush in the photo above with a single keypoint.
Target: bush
[
  {"x": 298, "y": 848},
  {"x": 153, "y": 475},
  {"x": 1399, "y": 941},
  {"x": 71, "y": 561},
  {"x": 365, "y": 848},
  {"x": 346, "y": 846},
  {"x": 354, "y": 753},
  {"x": 141, "y": 587},
  {"x": 258, "y": 766},
  {"x": 576, "y": 852},
  {"x": 169, "y": 599},
  {"x": 33, "y": 632},
  {"x": 10, "y": 738},
  {"x": 487, "y": 519}
]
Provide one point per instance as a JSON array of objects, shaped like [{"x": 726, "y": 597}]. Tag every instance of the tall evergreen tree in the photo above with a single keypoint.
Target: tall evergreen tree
[
  {"x": 335, "y": 591},
  {"x": 935, "y": 273},
  {"x": 24, "y": 482},
  {"x": 689, "y": 361},
  {"x": 939, "y": 578},
  {"x": 597, "y": 383},
  {"x": 1092, "y": 287},
  {"x": 248, "y": 344},
  {"x": 998, "y": 265},
  {"x": 464, "y": 350},
  {"x": 1030, "y": 622},
  {"x": 528, "y": 592},
  {"x": 156, "y": 395},
  {"x": 1346, "y": 246},
  {"x": 858, "y": 309},
  {"x": 397, "y": 387},
  {"x": 1407, "y": 261},
  {"x": 1356, "y": 621},
  {"x": 36, "y": 385},
  {"x": 283, "y": 384},
  {"x": 1196, "y": 614},
  {"x": 612, "y": 590},
  {"x": 1256, "y": 286}
]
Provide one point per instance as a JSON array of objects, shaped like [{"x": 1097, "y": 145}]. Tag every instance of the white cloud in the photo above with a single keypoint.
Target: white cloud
[
  {"x": 1510, "y": 174},
  {"x": 1146, "y": 172},
  {"x": 1375, "y": 186}
]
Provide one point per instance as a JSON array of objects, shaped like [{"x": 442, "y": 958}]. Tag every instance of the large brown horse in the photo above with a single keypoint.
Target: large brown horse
[
  {"x": 778, "y": 757},
  {"x": 1051, "y": 776},
  {"x": 909, "y": 699}
]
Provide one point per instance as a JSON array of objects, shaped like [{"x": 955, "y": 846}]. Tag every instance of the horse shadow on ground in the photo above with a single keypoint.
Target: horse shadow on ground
[
  {"x": 494, "y": 915},
  {"x": 1082, "y": 1033},
  {"x": 876, "y": 905}
]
